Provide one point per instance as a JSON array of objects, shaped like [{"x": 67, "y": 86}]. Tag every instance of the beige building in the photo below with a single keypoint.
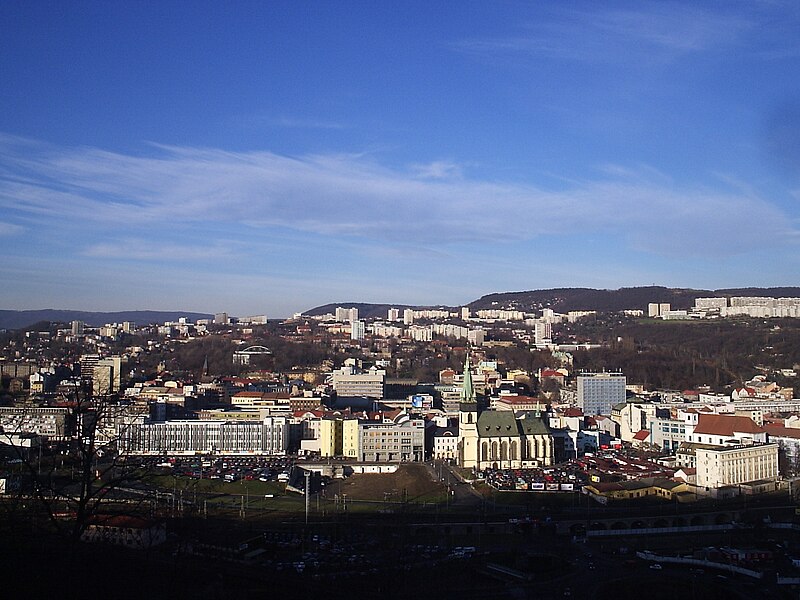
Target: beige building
[
  {"x": 399, "y": 439},
  {"x": 347, "y": 382},
  {"x": 107, "y": 375},
  {"x": 338, "y": 437},
  {"x": 632, "y": 417},
  {"x": 518, "y": 403},
  {"x": 736, "y": 465}
]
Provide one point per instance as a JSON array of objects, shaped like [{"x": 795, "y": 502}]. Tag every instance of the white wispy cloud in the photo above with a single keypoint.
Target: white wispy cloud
[
  {"x": 8, "y": 229},
  {"x": 652, "y": 31},
  {"x": 355, "y": 196},
  {"x": 438, "y": 169},
  {"x": 148, "y": 249},
  {"x": 289, "y": 122}
]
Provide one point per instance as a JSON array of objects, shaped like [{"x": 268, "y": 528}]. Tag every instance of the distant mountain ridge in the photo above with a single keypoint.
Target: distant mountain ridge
[
  {"x": 567, "y": 299},
  {"x": 18, "y": 319}
]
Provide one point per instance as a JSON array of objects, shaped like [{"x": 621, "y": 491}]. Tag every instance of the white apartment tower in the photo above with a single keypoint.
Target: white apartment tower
[
  {"x": 357, "y": 330},
  {"x": 345, "y": 315},
  {"x": 543, "y": 333}
]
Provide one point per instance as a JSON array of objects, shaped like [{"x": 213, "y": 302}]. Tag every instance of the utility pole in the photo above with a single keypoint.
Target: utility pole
[{"x": 308, "y": 493}]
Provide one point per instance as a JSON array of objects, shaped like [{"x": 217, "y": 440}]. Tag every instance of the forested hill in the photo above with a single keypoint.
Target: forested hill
[
  {"x": 17, "y": 319},
  {"x": 567, "y": 299}
]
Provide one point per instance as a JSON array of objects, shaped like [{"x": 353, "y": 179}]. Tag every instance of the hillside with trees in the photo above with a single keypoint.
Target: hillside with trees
[{"x": 567, "y": 299}]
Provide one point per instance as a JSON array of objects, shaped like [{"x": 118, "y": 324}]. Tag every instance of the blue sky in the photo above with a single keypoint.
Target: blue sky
[{"x": 269, "y": 157}]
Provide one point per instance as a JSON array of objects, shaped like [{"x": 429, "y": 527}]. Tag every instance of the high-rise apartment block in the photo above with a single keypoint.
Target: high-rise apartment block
[
  {"x": 598, "y": 392},
  {"x": 543, "y": 333},
  {"x": 357, "y": 330},
  {"x": 655, "y": 309},
  {"x": 345, "y": 315}
]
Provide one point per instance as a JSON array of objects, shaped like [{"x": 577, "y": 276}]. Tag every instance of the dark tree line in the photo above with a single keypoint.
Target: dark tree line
[{"x": 680, "y": 355}]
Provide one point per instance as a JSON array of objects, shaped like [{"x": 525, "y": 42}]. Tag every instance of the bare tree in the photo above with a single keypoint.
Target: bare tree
[{"x": 71, "y": 481}]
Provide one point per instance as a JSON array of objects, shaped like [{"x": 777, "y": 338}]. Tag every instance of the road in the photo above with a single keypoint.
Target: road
[{"x": 461, "y": 492}]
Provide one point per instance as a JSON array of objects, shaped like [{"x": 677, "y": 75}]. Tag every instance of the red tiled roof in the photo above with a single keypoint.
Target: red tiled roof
[
  {"x": 551, "y": 373},
  {"x": 641, "y": 435},
  {"x": 781, "y": 431},
  {"x": 726, "y": 425},
  {"x": 127, "y": 521},
  {"x": 303, "y": 413},
  {"x": 520, "y": 400}
]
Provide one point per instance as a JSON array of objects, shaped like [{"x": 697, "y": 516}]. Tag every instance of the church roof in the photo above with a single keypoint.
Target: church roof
[
  {"x": 531, "y": 423},
  {"x": 504, "y": 423},
  {"x": 726, "y": 425},
  {"x": 497, "y": 423}
]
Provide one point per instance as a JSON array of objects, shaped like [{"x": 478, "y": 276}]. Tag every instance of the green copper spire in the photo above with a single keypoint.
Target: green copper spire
[{"x": 467, "y": 391}]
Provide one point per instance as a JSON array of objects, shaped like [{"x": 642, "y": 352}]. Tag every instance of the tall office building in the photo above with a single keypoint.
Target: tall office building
[
  {"x": 394, "y": 314},
  {"x": 88, "y": 363},
  {"x": 598, "y": 392}
]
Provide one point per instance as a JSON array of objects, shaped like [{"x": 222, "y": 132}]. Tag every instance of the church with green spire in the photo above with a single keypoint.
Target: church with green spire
[
  {"x": 500, "y": 439},
  {"x": 467, "y": 420}
]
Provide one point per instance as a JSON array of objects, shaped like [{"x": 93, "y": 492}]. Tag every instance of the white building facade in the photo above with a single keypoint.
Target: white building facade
[{"x": 268, "y": 436}]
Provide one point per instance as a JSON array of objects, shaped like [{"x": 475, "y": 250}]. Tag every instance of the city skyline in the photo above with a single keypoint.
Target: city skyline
[{"x": 265, "y": 159}]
